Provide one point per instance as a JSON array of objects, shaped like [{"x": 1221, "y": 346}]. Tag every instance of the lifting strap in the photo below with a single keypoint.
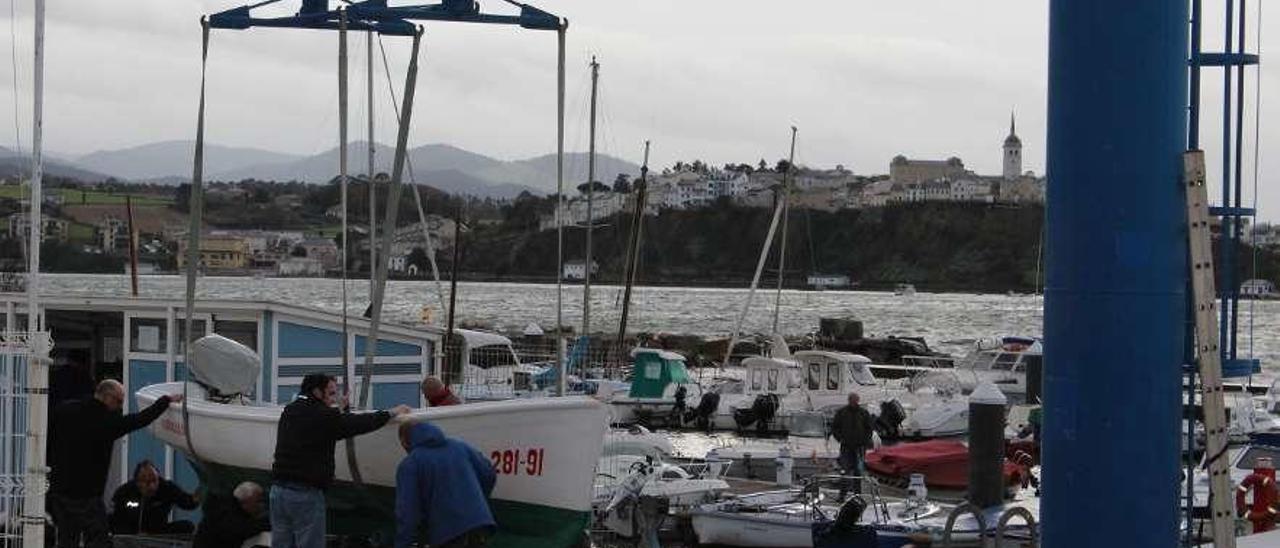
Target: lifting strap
[
  {"x": 349, "y": 443},
  {"x": 194, "y": 211}
]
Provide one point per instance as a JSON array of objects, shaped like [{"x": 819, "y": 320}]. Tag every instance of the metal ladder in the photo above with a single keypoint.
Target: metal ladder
[{"x": 1204, "y": 298}]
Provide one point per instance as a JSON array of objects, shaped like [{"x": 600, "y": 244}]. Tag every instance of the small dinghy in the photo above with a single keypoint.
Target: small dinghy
[{"x": 785, "y": 518}]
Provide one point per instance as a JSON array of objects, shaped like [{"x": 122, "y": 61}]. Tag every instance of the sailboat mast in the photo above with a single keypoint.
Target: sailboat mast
[
  {"x": 560, "y": 372},
  {"x": 38, "y": 381},
  {"x": 373, "y": 193},
  {"x": 782, "y": 246},
  {"x": 633, "y": 252},
  {"x": 591, "y": 183}
]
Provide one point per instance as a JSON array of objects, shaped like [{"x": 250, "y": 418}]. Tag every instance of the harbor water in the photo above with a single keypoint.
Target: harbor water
[{"x": 947, "y": 321}]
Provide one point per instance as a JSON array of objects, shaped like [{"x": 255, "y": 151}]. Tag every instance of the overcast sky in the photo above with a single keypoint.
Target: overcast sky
[{"x": 717, "y": 80}]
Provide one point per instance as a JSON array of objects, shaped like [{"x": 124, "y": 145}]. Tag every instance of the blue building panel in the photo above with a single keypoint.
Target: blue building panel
[
  {"x": 304, "y": 341},
  {"x": 285, "y": 393},
  {"x": 142, "y": 445},
  {"x": 389, "y": 348},
  {"x": 268, "y": 347},
  {"x": 391, "y": 394}
]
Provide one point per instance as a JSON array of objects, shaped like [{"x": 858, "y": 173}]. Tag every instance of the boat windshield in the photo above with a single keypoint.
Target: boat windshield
[
  {"x": 813, "y": 379},
  {"x": 1005, "y": 361},
  {"x": 862, "y": 374},
  {"x": 496, "y": 355}
]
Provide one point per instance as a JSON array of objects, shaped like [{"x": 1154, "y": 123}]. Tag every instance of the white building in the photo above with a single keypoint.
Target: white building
[
  {"x": 300, "y": 267},
  {"x": 576, "y": 269},
  {"x": 825, "y": 281}
]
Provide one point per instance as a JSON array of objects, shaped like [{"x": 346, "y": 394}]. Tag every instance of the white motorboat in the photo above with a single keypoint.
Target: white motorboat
[
  {"x": 545, "y": 451},
  {"x": 491, "y": 369},
  {"x": 660, "y": 385},
  {"x": 1004, "y": 361},
  {"x": 785, "y": 518}
]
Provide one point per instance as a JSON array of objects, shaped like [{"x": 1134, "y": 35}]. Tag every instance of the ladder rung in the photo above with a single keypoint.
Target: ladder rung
[
  {"x": 1221, "y": 211},
  {"x": 1225, "y": 59},
  {"x": 1241, "y": 367}
]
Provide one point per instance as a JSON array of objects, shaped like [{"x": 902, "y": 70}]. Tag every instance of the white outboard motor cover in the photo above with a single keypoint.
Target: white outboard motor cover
[{"x": 224, "y": 365}]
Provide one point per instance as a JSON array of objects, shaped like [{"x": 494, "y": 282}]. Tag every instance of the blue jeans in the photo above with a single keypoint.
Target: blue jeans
[
  {"x": 297, "y": 516},
  {"x": 853, "y": 460}
]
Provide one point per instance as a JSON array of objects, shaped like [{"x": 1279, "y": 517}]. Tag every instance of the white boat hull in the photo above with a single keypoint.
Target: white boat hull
[{"x": 544, "y": 449}]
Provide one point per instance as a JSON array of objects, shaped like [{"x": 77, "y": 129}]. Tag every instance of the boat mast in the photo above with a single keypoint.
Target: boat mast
[
  {"x": 38, "y": 381},
  {"x": 782, "y": 246},
  {"x": 633, "y": 252},
  {"x": 560, "y": 372},
  {"x": 373, "y": 193},
  {"x": 591, "y": 183}
]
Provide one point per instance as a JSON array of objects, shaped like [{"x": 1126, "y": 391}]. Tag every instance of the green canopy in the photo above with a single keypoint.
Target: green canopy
[{"x": 654, "y": 370}]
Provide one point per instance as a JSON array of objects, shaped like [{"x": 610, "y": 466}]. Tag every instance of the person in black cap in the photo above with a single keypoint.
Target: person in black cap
[{"x": 309, "y": 429}]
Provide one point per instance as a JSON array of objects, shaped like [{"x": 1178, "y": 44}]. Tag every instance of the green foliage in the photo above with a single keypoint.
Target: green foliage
[{"x": 936, "y": 245}]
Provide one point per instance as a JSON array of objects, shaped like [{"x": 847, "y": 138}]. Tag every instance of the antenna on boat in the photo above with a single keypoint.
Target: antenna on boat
[
  {"x": 633, "y": 253},
  {"x": 755, "y": 279},
  {"x": 786, "y": 214},
  {"x": 585, "y": 339},
  {"x": 560, "y": 365}
]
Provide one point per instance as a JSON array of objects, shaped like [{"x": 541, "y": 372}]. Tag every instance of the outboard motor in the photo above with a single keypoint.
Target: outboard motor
[
  {"x": 889, "y": 422},
  {"x": 706, "y": 409},
  {"x": 680, "y": 408},
  {"x": 762, "y": 410},
  {"x": 844, "y": 531}
]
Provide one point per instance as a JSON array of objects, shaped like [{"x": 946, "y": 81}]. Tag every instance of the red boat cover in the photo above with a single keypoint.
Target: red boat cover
[{"x": 944, "y": 463}]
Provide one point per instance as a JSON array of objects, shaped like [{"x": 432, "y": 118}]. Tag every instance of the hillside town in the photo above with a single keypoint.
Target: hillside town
[{"x": 695, "y": 185}]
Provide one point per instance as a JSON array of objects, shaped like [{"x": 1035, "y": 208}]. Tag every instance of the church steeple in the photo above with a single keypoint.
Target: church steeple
[{"x": 1012, "y": 151}]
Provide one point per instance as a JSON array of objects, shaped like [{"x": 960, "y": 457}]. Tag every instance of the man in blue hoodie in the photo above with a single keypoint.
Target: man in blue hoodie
[{"x": 444, "y": 485}]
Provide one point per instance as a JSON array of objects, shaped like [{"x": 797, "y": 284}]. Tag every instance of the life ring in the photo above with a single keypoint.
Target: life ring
[{"x": 1262, "y": 512}]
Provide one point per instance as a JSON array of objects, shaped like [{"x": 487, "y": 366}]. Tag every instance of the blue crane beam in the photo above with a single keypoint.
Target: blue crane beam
[{"x": 377, "y": 16}]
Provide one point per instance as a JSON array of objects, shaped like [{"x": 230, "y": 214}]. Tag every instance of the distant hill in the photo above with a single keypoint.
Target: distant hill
[
  {"x": 164, "y": 161},
  {"x": 13, "y": 165},
  {"x": 540, "y": 172},
  {"x": 443, "y": 166}
]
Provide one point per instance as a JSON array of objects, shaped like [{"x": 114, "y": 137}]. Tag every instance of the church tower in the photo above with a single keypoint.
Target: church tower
[{"x": 1012, "y": 152}]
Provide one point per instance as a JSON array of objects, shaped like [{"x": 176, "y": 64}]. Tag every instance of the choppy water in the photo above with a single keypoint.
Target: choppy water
[{"x": 938, "y": 317}]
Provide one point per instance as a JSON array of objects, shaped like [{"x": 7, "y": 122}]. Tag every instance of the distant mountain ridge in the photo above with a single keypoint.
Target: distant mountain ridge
[{"x": 443, "y": 166}]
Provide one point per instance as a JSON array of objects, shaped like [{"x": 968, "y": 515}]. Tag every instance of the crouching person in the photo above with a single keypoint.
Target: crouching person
[
  {"x": 231, "y": 521},
  {"x": 443, "y": 486},
  {"x": 143, "y": 505}
]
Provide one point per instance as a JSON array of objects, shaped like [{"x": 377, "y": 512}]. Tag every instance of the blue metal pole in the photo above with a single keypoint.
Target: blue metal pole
[{"x": 1116, "y": 272}]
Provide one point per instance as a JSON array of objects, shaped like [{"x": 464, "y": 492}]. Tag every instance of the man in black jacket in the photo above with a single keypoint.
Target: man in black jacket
[
  {"x": 230, "y": 521},
  {"x": 143, "y": 504},
  {"x": 852, "y": 427},
  {"x": 309, "y": 429},
  {"x": 81, "y": 435}
]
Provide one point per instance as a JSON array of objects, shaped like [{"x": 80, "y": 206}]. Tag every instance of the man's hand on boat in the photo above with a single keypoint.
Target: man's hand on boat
[
  {"x": 399, "y": 410},
  {"x": 175, "y": 398}
]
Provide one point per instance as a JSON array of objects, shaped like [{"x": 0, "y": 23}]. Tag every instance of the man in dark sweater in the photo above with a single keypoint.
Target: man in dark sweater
[
  {"x": 143, "y": 504},
  {"x": 310, "y": 428},
  {"x": 852, "y": 427},
  {"x": 81, "y": 434},
  {"x": 230, "y": 521}
]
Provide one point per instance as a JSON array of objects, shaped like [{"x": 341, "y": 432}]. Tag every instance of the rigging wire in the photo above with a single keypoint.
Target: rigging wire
[
  {"x": 13, "y": 60},
  {"x": 417, "y": 196},
  {"x": 1257, "y": 159}
]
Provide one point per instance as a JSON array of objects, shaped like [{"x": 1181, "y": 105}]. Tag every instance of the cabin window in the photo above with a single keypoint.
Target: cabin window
[
  {"x": 198, "y": 327},
  {"x": 815, "y": 372},
  {"x": 1004, "y": 361},
  {"x": 245, "y": 333},
  {"x": 755, "y": 380},
  {"x": 653, "y": 371},
  {"x": 773, "y": 380},
  {"x": 148, "y": 335},
  {"x": 497, "y": 355},
  {"x": 833, "y": 376}
]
